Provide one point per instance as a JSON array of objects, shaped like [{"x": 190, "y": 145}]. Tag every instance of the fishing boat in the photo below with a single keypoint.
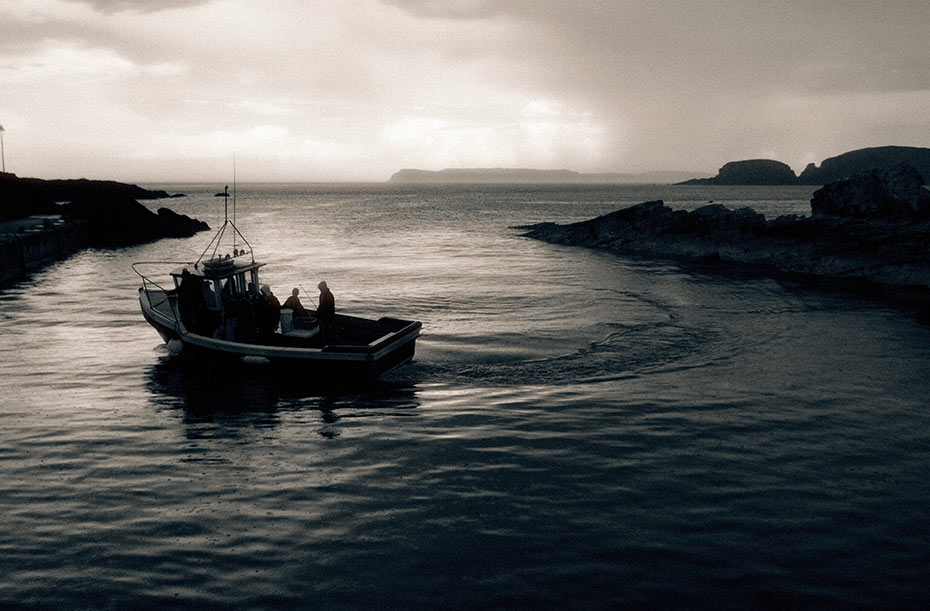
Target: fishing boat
[{"x": 211, "y": 308}]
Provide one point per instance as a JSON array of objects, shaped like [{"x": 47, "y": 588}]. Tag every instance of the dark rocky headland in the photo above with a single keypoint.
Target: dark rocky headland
[
  {"x": 870, "y": 230},
  {"x": 115, "y": 216},
  {"x": 771, "y": 172},
  {"x": 44, "y": 220}
]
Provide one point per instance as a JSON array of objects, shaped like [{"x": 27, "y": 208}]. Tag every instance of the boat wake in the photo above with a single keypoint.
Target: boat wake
[{"x": 624, "y": 352}]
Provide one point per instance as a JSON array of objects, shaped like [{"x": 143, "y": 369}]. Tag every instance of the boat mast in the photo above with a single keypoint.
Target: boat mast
[
  {"x": 234, "y": 201},
  {"x": 216, "y": 242}
]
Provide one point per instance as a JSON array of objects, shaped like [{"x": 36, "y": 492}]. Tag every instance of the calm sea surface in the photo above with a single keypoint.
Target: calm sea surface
[{"x": 578, "y": 430}]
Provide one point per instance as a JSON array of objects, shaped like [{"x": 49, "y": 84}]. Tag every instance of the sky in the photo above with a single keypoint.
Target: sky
[{"x": 337, "y": 90}]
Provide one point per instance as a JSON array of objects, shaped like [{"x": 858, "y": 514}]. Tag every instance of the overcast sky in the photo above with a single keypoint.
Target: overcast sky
[{"x": 171, "y": 90}]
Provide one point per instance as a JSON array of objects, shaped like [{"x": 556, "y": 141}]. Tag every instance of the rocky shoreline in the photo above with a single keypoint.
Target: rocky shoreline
[
  {"x": 872, "y": 230},
  {"x": 111, "y": 208},
  {"x": 44, "y": 220}
]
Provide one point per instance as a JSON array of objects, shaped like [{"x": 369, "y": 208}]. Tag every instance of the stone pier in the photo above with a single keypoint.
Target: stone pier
[{"x": 28, "y": 244}]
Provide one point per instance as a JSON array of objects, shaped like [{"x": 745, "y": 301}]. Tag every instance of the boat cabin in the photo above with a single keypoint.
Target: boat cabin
[{"x": 221, "y": 278}]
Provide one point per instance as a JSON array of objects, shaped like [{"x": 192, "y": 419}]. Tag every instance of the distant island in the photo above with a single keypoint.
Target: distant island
[
  {"x": 749, "y": 172},
  {"x": 771, "y": 172},
  {"x": 530, "y": 176}
]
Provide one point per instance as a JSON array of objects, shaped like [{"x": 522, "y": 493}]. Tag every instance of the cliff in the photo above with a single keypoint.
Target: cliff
[{"x": 873, "y": 228}]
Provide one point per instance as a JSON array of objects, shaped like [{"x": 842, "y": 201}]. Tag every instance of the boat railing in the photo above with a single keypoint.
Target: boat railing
[{"x": 151, "y": 287}]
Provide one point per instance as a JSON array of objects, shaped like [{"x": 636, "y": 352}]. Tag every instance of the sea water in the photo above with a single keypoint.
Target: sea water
[{"x": 578, "y": 429}]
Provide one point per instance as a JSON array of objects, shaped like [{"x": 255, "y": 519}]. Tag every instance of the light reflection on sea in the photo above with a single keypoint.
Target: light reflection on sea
[{"x": 577, "y": 431}]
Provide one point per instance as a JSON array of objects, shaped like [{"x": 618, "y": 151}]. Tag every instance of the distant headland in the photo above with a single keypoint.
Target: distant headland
[
  {"x": 771, "y": 172},
  {"x": 530, "y": 176},
  {"x": 750, "y": 172}
]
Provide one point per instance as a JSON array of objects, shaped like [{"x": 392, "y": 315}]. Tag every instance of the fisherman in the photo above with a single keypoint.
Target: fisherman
[
  {"x": 326, "y": 312},
  {"x": 190, "y": 300},
  {"x": 269, "y": 312},
  {"x": 293, "y": 303}
]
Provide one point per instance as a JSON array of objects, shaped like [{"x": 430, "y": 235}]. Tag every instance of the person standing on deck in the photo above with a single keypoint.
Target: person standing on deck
[
  {"x": 269, "y": 312},
  {"x": 326, "y": 312},
  {"x": 190, "y": 301}
]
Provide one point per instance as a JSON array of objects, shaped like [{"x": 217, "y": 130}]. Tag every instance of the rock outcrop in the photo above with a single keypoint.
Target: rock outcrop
[
  {"x": 121, "y": 221},
  {"x": 895, "y": 193},
  {"x": 863, "y": 160},
  {"x": 750, "y": 172},
  {"x": 771, "y": 172},
  {"x": 871, "y": 228},
  {"x": 116, "y": 218}
]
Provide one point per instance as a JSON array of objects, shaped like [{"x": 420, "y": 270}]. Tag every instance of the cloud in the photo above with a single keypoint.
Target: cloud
[
  {"x": 373, "y": 85},
  {"x": 58, "y": 61},
  {"x": 451, "y": 9},
  {"x": 539, "y": 134},
  {"x": 138, "y": 6}
]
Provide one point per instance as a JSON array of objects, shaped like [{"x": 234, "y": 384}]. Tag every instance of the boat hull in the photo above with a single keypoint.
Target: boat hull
[{"x": 394, "y": 347}]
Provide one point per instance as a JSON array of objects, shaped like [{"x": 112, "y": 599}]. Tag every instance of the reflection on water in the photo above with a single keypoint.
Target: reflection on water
[{"x": 232, "y": 396}]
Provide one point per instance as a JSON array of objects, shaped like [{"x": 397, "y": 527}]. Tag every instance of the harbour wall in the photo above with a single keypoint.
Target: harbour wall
[{"x": 28, "y": 244}]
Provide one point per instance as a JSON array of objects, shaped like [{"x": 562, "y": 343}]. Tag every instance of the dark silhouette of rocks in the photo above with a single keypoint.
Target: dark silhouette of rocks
[
  {"x": 116, "y": 218},
  {"x": 120, "y": 221},
  {"x": 893, "y": 193},
  {"x": 871, "y": 228},
  {"x": 771, "y": 172},
  {"x": 750, "y": 172},
  {"x": 40, "y": 192},
  {"x": 864, "y": 160}
]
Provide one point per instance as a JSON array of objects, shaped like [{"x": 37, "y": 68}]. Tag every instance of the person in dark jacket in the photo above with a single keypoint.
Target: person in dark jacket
[
  {"x": 293, "y": 303},
  {"x": 269, "y": 312},
  {"x": 326, "y": 312},
  {"x": 190, "y": 301}
]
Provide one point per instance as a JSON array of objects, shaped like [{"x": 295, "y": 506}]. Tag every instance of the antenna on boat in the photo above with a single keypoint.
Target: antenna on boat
[
  {"x": 217, "y": 240},
  {"x": 234, "y": 199}
]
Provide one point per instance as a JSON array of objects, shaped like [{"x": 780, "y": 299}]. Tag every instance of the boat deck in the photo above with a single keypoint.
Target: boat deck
[{"x": 297, "y": 332}]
